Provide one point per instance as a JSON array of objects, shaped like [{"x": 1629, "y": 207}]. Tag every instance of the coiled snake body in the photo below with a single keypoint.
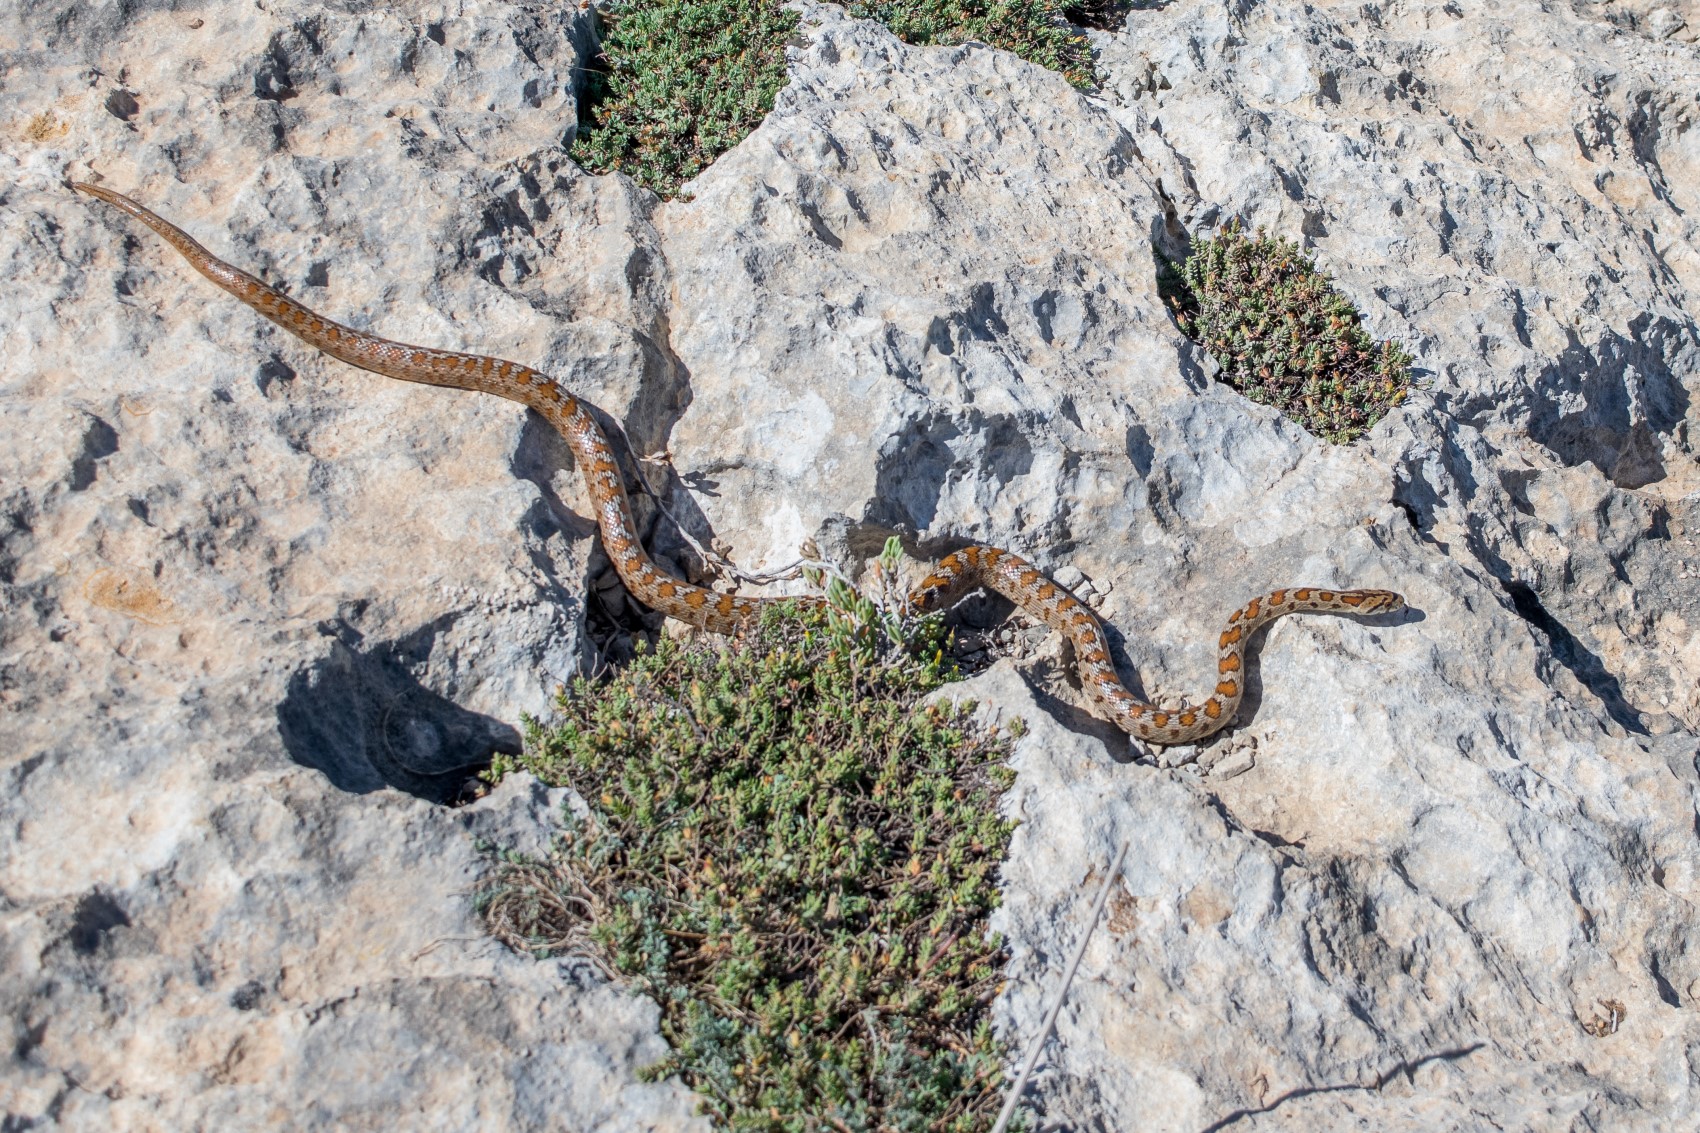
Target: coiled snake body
[{"x": 1006, "y": 573}]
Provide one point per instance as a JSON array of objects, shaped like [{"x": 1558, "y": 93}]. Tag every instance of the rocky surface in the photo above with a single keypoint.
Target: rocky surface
[{"x": 261, "y": 611}]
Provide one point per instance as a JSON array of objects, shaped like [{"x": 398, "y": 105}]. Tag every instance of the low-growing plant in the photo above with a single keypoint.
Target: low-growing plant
[
  {"x": 795, "y": 854},
  {"x": 680, "y": 82},
  {"x": 677, "y": 84},
  {"x": 1036, "y": 30},
  {"x": 1284, "y": 336}
]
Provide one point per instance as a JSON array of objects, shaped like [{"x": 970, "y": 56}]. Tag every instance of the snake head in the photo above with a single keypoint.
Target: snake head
[{"x": 1380, "y": 602}]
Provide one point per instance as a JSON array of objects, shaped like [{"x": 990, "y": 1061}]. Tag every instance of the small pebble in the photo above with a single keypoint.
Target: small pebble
[{"x": 1232, "y": 764}]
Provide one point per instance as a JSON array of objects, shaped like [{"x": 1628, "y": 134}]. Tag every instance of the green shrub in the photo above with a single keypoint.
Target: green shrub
[
  {"x": 1283, "y": 336},
  {"x": 796, "y": 858},
  {"x": 678, "y": 83},
  {"x": 1032, "y": 29}
]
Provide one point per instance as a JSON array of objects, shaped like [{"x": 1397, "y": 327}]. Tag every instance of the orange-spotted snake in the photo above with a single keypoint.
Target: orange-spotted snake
[{"x": 1001, "y": 571}]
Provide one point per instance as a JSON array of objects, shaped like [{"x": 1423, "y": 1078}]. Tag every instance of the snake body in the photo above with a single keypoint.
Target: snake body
[{"x": 1001, "y": 571}]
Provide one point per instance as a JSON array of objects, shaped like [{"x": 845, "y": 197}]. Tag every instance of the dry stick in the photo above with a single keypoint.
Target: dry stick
[{"x": 1038, "y": 1043}]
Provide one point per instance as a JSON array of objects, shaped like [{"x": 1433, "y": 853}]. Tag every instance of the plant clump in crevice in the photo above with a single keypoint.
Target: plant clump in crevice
[
  {"x": 795, "y": 853},
  {"x": 677, "y": 84},
  {"x": 1283, "y": 335},
  {"x": 1036, "y": 30}
]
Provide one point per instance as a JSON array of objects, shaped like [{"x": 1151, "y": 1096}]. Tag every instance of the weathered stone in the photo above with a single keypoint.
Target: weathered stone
[
  {"x": 1437, "y": 828},
  {"x": 260, "y": 608},
  {"x": 254, "y": 602}
]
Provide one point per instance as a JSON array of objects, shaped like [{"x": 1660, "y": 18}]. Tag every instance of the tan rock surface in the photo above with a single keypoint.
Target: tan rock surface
[
  {"x": 258, "y": 607},
  {"x": 1429, "y": 849},
  {"x": 249, "y": 593}
]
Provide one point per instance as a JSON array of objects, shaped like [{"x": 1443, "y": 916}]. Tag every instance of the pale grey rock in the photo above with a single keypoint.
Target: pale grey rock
[
  {"x": 257, "y": 606},
  {"x": 1432, "y": 846},
  {"x": 1069, "y": 575},
  {"x": 1511, "y": 192},
  {"x": 250, "y": 593},
  {"x": 1658, "y": 19},
  {"x": 1388, "y": 951},
  {"x": 519, "y": 815}
]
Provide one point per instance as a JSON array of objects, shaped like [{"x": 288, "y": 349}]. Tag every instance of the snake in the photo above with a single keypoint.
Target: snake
[{"x": 953, "y": 577}]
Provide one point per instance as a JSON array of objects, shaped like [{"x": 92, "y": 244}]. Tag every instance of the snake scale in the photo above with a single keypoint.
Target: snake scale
[{"x": 1006, "y": 573}]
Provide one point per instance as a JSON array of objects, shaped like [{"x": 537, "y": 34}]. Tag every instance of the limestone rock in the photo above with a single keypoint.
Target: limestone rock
[
  {"x": 261, "y": 609},
  {"x": 1416, "y": 864}
]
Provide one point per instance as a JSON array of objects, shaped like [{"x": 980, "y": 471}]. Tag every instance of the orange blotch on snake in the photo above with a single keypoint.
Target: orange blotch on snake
[{"x": 1033, "y": 590}]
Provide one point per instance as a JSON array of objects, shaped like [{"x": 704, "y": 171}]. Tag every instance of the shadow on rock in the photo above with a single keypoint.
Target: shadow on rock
[
  {"x": 1406, "y": 1070},
  {"x": 1608, "y": 404},
  {"x": 1584, "y": 664},
  {"x": 919, "y": 463},
  {"x": 361, "y": 717}
]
